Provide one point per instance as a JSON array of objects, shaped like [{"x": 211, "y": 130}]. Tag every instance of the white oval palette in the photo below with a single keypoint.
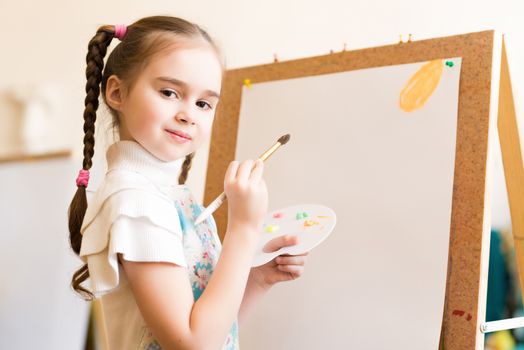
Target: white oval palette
[{"x": 312, "y": 223}]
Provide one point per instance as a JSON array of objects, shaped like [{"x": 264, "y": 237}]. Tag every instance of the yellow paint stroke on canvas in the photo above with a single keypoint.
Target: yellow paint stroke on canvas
[{"x": 421, "y": 86}]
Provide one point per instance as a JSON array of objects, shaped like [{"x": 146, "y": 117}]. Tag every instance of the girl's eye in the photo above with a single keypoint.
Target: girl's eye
[
  {"x": 204, "y": 105},
  {"x": 169, "y": 93}
]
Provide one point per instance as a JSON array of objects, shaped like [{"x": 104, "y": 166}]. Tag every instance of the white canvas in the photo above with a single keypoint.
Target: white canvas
[{"x": 378, "y": 281}]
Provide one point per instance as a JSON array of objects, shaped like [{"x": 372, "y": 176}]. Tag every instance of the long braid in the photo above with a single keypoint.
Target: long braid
[
  {"x": 97, "y": 49},
  {"x": 186, "y": 166}
]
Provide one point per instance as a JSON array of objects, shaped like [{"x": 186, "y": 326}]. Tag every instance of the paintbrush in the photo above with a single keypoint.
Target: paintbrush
[{"x": 220, "y": 199}]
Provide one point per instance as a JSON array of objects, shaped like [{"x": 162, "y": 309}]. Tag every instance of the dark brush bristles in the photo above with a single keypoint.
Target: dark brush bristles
[{"x": 284, "y": 139}]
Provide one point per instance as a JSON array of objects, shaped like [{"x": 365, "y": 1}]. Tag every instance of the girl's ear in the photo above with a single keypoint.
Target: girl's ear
[{"x": 114, "y": 92}]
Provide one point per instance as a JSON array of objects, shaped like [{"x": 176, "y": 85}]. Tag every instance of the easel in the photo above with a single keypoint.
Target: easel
[{"x": 483, "y": 88}]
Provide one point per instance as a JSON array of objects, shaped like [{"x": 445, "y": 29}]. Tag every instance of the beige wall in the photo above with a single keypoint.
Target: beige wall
[{"x": 44, "y": 42}]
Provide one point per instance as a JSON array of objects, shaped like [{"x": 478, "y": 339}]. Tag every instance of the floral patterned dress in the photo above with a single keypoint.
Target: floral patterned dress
[{"x": 202, "y": 249}]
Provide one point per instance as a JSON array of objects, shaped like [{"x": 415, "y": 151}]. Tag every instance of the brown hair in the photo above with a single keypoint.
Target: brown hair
[{"x": 143, "y": 39}]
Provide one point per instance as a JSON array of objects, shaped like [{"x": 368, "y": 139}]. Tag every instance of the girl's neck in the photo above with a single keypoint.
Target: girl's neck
[{"x": 130, "y": 155}]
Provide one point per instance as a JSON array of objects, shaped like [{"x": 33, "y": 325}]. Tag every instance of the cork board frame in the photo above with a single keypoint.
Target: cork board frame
[{"x": 466, "y": 284}]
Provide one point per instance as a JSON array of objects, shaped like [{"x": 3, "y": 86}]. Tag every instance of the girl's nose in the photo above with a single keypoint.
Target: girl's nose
[{"x": 184, "y": 118}]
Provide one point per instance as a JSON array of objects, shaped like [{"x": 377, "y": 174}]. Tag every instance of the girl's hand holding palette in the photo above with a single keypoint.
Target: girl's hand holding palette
[{"x": 312, "y": 223}]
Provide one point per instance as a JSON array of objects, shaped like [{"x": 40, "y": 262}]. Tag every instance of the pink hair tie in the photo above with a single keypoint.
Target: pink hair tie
[
  {"x": 83, "y": 178},
  {"x": 120, "y": 31}
]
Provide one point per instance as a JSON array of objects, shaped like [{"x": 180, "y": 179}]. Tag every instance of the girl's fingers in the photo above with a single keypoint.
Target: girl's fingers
[
  {"x": 299, "y": 260},
  {"x": 280, "y": 242},
  {"x": 244, "y": 170},
  {"x": 295, "y": 270},
  {"x": 231, "y": 172},
  {"x": 258, "y": 170}
]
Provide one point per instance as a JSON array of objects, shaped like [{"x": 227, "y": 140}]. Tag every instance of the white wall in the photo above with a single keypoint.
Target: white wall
[
  {"x": 38, "y": 309},
  {"x": 45, "y": 42}
]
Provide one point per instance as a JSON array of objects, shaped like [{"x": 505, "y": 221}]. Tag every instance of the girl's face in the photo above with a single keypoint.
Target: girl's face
[{"x": 171, "y": 107}]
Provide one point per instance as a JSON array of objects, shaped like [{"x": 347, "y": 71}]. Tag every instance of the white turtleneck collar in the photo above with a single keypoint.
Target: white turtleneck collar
[{"x": 131, "y": 156}]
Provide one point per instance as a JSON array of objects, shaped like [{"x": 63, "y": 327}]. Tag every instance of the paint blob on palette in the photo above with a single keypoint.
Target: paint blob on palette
[{"x": 312, "y": 223}]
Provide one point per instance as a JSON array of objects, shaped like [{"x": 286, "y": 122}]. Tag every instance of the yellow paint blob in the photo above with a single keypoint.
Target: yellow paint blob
[
  {"x": 421, "y": 86},
  {"x": 271, "y": 228},
  {"x": 310, "y": 223}
]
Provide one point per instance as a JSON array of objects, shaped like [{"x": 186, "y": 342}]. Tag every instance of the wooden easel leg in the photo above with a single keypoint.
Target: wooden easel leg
[
  {"x": 96, "y": 334},
  {"x": 511, "y": 149}
]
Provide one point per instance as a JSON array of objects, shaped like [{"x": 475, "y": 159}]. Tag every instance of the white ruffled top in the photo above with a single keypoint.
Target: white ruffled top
[{"x": 135, "y": 187}]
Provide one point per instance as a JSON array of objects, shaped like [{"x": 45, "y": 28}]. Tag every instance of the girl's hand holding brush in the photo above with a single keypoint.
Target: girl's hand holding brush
[
  {"x": 220, "y": 199},
  {"x": 247, "y": 194}
]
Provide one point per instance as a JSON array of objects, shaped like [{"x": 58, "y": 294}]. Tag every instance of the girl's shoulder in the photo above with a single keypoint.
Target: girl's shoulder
[{"x": 128, "y": 194}]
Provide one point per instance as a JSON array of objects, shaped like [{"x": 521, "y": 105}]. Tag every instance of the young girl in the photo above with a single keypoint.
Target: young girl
[{"x": 165, "y": 282}]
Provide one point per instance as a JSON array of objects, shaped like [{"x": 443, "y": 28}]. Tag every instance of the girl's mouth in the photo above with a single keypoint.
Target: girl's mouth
[{"x": 179, "y": 136}]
